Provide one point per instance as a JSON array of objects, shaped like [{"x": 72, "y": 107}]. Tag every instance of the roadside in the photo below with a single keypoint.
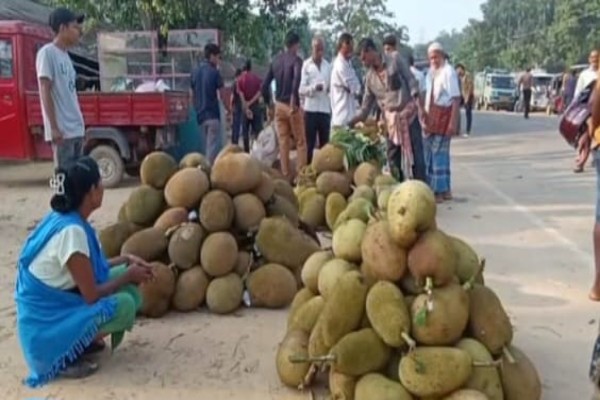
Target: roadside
[{"x": 517, "y": 202}]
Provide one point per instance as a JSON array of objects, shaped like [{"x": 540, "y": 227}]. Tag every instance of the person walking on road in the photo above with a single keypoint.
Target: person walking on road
[
  {"x": 586, "y": 77},
  {"x": 592, "y": 141},
  {"x": 466, "y": 83},
  {"x": 390, "y": 84},
  {"x": 286, "y": 70},
  {"x": 589, "y": 74},
  {"x": 568, "y": 88},
  {"x": 63, "y": 121},
  {"x": 314, "y": 86},
  {"x": 440, "y": 121},
  {"x": 526, "y": 84},
  {"x": 345, "y": 85},
  {"x": 207, "y": 87},
  {"x": 248, "y": 87}
]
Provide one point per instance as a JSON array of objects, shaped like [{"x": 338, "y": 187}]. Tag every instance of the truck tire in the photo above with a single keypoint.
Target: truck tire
[{"x": 111, "y": 165}]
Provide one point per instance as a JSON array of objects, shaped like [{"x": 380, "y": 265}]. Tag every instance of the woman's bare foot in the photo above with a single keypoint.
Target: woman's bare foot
[
  {"x": 594, "y": 294},
  {"x": 447, "y": 196},
  {"x": 439, "y": 199}
]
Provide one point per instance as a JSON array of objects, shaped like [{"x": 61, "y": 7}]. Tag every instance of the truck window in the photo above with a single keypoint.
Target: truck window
[
  {"x": 6, "y": 59},
  {"x": 502, "y": 82}
]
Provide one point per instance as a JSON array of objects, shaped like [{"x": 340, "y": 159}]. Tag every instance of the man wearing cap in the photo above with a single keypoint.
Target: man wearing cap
[{"x": 63, "y": 121}]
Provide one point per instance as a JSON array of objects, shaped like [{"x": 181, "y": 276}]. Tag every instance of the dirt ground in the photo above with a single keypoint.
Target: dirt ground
[{"x": 534, "y": 235}]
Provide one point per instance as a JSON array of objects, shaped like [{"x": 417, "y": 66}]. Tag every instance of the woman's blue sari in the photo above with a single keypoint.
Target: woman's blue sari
[{"x": 55, "y": 326}]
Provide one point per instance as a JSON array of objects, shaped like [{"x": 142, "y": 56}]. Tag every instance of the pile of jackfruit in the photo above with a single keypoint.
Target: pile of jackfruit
[
  {"x": 397, "y": 308},
  {"x": 222, "y": 235}
]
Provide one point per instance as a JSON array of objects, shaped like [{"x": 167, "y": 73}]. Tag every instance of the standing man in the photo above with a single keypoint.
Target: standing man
[
  {"x": 248, "y": 88},
  {"x": 390, "y": 84},
  {"x": 206, "y": 87},
  {"x": 63, "y": 120},
  {"x": 466, "y": 84},
  {"x": 286, "y": 70},
  {"x": 526, "y": 84},
  {"x": 345, "y": 86},
  {"x": 314, "y": 86},
  {"x": 568, "y": 88}
]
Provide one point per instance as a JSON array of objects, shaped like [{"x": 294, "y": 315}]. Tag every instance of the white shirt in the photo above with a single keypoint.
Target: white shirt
[
  {"x": 345, "y": 86},
  {"x": 55, "y": 64},
  {"x": 420, "y": 77},
  {"x": 50, "y": 265},
  {"x": 313, "y": 75},
  {"x": 444, "y": 84},
  {"x": 586, "y": 77}
]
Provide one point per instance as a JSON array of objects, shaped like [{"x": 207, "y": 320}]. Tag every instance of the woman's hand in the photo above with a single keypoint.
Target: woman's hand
[
  {"x": 137, "y": 274},
  {"x": 133, "y": 259}
]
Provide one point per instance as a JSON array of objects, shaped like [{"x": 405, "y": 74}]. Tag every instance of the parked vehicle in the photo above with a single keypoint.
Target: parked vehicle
[
  {"x": 121, "y": 127},
  {"x": 556, "y": 104},
  {"x": 494, "y": 89}
]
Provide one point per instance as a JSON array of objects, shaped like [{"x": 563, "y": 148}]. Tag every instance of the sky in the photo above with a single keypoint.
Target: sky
[{"x": 424, "y": 26}]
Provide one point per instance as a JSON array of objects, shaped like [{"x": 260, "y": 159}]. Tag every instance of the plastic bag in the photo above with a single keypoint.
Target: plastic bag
[{"x": 265, "y": 148}]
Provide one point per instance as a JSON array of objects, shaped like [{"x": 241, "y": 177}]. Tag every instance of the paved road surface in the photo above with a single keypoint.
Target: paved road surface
[
  {"x": 517, "y": 202},
  {"x": 531, "y": 217}
]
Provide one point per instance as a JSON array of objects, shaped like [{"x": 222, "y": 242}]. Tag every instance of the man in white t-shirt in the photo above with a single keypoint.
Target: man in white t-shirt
[
  {"x": 345, "y": 85},
  {"x": 63, "y": 120},
  {"x": 314, "y": 86}
]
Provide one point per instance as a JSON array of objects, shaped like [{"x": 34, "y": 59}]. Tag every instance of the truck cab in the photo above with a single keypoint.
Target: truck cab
[
  {"x": 494, "y": 90},
  {"x": 121, "y": 127}
]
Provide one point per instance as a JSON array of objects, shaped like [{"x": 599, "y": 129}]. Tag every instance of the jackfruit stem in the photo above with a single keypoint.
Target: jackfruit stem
[
  {"x": 468, "y": 285},
  {"x": 486, "y": 363},
  {"x": 508, "y": 355},
  {"x": 318, "y": 359},
  {"x": 410, "y": 341}
]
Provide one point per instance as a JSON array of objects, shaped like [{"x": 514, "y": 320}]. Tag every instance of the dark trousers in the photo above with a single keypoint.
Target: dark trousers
[
  {"x": 394, "y": 153},
  {"x": 526, "y": 101},
  {"x": 317, "y": 125},
  {"x": 255, "y": 124},
  {"x": 236, "y": 124},
  {"x": 469, "y": 116}
]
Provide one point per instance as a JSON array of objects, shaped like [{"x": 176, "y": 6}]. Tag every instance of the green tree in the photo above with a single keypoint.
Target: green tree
[{"x": 360, "y": 18}]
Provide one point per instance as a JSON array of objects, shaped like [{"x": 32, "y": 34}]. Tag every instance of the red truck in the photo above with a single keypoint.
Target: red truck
[{"x": 121, "y": 127}]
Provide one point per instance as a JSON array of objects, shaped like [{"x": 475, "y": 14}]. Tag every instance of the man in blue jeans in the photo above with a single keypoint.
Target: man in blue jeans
[{"x": 206, "y": 87}]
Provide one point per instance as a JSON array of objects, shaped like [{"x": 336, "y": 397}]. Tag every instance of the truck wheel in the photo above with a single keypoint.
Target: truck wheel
[{"x": 110, "y": 163}]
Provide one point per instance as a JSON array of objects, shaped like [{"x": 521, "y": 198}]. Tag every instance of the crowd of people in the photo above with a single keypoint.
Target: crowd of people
[{"x": 314, "y": 97}]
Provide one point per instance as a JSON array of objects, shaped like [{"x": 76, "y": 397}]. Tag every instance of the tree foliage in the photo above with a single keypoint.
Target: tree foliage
[
  {"x": 360, "y": 18},
  {"x": 549, "y": 34},
  {"x": 245, "y": 31}
]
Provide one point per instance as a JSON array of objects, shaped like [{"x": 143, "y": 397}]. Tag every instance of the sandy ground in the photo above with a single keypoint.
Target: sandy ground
[{"x": 517, "y": 203}]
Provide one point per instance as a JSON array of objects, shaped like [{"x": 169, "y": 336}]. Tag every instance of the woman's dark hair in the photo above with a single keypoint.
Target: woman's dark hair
[{"x": 72, "y": 183}]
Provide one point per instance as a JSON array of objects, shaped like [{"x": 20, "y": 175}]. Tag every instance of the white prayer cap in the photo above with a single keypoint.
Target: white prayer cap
[{"x": 435, "y": 46}]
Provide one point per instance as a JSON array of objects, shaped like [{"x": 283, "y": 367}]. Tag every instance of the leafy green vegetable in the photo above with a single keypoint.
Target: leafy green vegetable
[{"x": 359, "y": 148}]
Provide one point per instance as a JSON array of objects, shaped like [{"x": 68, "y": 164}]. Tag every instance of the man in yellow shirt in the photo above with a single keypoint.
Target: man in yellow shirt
[{"x": 466, "y": 83}]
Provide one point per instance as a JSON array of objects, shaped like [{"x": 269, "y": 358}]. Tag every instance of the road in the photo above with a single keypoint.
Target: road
[{"x": 517, "y": 202}]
